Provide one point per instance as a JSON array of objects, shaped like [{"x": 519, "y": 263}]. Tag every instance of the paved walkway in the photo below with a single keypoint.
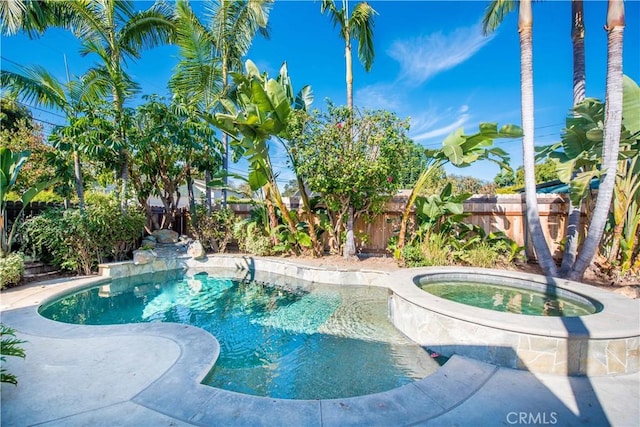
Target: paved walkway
[{"x": 149, "y": 375}]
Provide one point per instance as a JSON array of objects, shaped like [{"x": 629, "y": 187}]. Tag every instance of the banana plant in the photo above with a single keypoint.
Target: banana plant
[
  {"x": 10, "y": 165},
  {"x": 578, "y": 158},
  {"x": 461, "y": 151},
  {"x": 260, "y": 109}
]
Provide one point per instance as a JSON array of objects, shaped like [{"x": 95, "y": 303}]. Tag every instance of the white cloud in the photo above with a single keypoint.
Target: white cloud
[
  {"x": 423, "y": 57},
  {"x": 442, "y": 130}
]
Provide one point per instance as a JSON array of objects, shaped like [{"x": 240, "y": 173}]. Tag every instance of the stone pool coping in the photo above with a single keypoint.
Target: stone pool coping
[{"x": 464, "y": 391}]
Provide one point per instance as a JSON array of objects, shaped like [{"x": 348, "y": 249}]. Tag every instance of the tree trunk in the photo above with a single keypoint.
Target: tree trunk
[
  {"x": 306, "y": 205},
  {"x": 350, "y": 243},
  {"x": 192, "y": 200},
  {"x": 77, "y": 172},
  {"x": 579, "y": 84},
  {"x": 208, "y": 201},
  {"x": 525, "y": 28},
  {"x": 271, "y": 211},
  {"x": 611, "y": 138}
]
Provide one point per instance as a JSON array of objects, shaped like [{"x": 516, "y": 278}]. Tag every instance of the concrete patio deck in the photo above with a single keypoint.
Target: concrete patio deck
[{"x": 149, "y": 375}]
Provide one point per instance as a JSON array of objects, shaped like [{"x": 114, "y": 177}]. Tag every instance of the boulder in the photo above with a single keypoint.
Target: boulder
[
  {"x": 166, "y": 236},
  {"x": 148, "y": 243},
  {"x": 196, "y": 250},
  {"x": 143, "y": 256}
]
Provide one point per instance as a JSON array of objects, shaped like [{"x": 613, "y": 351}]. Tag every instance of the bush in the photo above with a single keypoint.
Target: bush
[
  {"x": 252, "y": 240},
  {"x": 11, "y": 269},
  {"x": 214, "y": 230},
  {"x": 79, "y": 242},
  {"x": 482, "y": 255}
]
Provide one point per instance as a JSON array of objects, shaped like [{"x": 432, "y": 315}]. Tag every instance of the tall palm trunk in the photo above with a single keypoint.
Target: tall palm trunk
[
  {"x": 611, "y": 138},
  {"x": 350, "y": 243},
  {"x": 579, "y": 80},
  {"x": 525, "y": 28},
  {"x": 225, "y": 137}
]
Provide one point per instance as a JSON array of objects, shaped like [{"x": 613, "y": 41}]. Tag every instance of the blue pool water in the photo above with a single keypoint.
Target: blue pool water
[{"x": 291, "y": 340}]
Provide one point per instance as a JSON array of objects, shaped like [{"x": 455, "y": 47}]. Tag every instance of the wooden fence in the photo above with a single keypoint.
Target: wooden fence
[{"x": 492, "y": 213}]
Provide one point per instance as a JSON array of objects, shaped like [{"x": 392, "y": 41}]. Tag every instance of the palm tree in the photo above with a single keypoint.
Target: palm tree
[
  {"x": 115, "y": 32},
  {"x": 358, "y": 26},
  {"x": 611, "y": 144},
  {"x": 37, "y": 85},
  {"x": 579, "y": 79},
  {"x": 494, "y": 15},
  {"x": 210, "y": 52},
  {"x": 31, "y": 16}
]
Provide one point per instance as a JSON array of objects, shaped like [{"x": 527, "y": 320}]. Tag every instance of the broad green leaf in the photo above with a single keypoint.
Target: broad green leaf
[
  {"x": 304, "y": 239},
  {"x": 279, "y": 101},
  {"x": 453, "y": 153},
  {"x": 455, "y": 138},
  {"x": 257, "y": 178},
  {"x": 252, "y": 69},
  {"x": 304, "y": 99},
  {"x": 32, "y": 192},
  {"x": 631, "y": 105},
  {"x": 580, "y": 185},
  {"x": 595, "y": 135},
  {"x": 489, "y": 129},
  {"x": 511, "y": 131}
]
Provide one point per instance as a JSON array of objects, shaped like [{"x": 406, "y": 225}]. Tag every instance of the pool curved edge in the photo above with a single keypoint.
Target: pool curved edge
[
  {"x": 179, "y": 393},
  {"x": 603, "y": 343}
]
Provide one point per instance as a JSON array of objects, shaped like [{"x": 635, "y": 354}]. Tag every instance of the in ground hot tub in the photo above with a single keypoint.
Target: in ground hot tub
[{"x": 579, "y": 329}]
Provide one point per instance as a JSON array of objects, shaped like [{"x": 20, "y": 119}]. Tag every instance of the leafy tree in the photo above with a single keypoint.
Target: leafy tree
[
  {"x": 37, "y": 85},
  {"x": 351, "y": 167},
  {"x": 12, "y": 114},
  {"x": 544, "y": 172},
  {"x": 578, "y": 158},
  {"x": 165, "y": 141},
  {"x": 574, "y": 264},
  {"x": 28, "y": 137},
  {"x": 357, "y": 26},
  {"x": 465, "y": 184},
  {"x": 115, "y": 32},
  {"x": 417, "y": 161}
]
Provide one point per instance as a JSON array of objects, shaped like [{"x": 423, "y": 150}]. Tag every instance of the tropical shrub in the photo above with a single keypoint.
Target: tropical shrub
[
  {"x": 443, "y": 238},
  {"x": 252, "y": 239},
  {"x": 11, "y": 269},
  {"x": 9, "y": 347},
  {"x": 214, "y": 230},
  {"x": 78, "y": 242},
  {"x": 252, "y": 233}
]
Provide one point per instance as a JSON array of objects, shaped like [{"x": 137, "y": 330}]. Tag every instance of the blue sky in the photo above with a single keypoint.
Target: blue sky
[{"x": 432, "y": 64}]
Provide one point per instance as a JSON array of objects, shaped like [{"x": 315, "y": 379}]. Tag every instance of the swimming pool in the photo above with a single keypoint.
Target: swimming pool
[{"x": 291, "y": 339}]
